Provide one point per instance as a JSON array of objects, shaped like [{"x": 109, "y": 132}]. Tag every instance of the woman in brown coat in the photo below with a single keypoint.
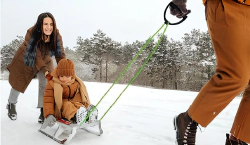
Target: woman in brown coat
[
  {"x": 65, "y": 94},
  {"x": 33, "y": 59}
]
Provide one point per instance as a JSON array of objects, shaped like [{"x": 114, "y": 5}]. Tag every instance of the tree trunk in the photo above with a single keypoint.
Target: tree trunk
[
  {"x": 107, "y": 68},
  {"x": 175, "y": 79},
  {"x": 100, "y": 70}
]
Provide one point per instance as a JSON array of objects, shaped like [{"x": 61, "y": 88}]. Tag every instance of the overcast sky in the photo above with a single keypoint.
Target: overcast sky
[{"x": 122, "y": 20}]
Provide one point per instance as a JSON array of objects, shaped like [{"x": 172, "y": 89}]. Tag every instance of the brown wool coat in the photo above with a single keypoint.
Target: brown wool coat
[
  {"x": 76, "y": 89},
  {"x": 20, "y": 74}
]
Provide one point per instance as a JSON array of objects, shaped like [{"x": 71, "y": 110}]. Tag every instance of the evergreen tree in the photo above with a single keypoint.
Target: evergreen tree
[
  {"x": 109, "y": 54},
  {"x": 8, "y": 52},
  {"x": 83, "y": 50},
  {"x": 174, "y": 63},
  {"x": 157, "y": 67},
  {"x": 84, "y": 53},
  {"x": 126, "y": 53},
  {"x": 198, "y": 54}
]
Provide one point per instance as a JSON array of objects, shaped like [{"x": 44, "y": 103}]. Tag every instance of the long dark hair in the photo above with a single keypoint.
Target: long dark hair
[{"x": 37, "y": 32}]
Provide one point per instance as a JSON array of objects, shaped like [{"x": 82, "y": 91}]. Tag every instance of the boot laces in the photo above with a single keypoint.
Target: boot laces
[
  {"x": 239, "y": 142},
  {"x": 190, "y": 132}
]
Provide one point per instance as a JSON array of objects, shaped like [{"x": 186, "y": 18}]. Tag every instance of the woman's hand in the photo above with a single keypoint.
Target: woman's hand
[{"x": 48, "y": 76}]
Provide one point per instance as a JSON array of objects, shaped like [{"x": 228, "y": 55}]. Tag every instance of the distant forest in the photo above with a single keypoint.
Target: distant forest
[{"x": 179, "y": 65}]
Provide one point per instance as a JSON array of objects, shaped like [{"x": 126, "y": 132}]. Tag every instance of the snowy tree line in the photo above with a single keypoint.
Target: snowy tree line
[{"x": 180, "y": 65}]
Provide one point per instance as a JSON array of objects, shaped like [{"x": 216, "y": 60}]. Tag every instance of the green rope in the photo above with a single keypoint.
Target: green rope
[
  {"x": 137, "y": 74},
  {"x": 122, "y": 73}
]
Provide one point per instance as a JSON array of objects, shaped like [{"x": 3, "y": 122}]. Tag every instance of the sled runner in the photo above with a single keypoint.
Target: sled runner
[{"x": 63, "y": 131}]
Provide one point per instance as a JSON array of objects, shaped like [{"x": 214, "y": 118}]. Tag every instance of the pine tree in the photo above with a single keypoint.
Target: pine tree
[
  {"x": 83, "y": 50},
  {"x": 174, "y": 63},
  {"x": 199, "y": 58},
  {"x": 8, "y": 52},
  {"x": 157, "y": 66},
  {"x": 110, "y": 54}
]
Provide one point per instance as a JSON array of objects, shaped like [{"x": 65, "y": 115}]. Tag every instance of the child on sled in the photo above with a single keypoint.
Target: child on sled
[{"x": 66, "y": 96}]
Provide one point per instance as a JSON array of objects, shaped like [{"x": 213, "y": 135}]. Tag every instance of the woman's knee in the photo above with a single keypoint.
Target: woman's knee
[{"x": 225, "y": 80}]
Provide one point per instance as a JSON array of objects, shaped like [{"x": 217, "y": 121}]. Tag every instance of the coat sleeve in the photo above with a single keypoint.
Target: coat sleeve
[
  {"x": 40, "y": 64},
  {"x": 49, "y": 101},
  {"x": 58, "y": 58}
]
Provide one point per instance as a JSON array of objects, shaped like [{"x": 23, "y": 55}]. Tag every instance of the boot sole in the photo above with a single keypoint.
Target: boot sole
[
  {"x": 174, "y": 122},
  {"x": 11, "y": 117},
  {"x": 175, "y": 128},
  {"x": 41, "y": 122}
]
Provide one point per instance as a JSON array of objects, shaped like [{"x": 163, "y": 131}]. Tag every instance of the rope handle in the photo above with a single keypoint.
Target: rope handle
[
  {"x": 132, "y": 61},
  {"x": 175, "y": 7}
]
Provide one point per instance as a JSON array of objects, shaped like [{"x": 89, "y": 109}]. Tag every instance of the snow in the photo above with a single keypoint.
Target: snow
[{"x": 142, "y": 116}]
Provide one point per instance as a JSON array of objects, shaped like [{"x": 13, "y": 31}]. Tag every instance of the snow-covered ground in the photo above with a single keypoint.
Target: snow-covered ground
[{"x": 142, "y": 116}]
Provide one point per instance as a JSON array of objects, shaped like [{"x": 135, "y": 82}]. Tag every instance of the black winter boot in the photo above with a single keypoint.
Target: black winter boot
[
  {"x": 185, "y": 129},
  {"x": 41, "y": 117},
  {"x": 12, "y": 111},
  {"x": 73, "y": 119},
  {"x": 234, "y": 141}
]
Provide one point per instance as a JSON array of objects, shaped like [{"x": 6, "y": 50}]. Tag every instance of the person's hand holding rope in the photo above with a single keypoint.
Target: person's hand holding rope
[{"x": 182, "y": 11}]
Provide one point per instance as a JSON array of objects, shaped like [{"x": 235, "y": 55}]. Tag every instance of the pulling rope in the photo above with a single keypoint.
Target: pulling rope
[
  {"x": 132, "y": 61},
  {"x": 137, "y": 74},
  {"x": 125, "y": 70}
]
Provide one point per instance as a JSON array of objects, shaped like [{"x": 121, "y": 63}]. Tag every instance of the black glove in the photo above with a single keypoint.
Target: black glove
[{"x": 181, "y": 4}]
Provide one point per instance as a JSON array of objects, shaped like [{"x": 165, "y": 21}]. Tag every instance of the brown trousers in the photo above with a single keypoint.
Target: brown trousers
[{"x": 229, "y": 27}]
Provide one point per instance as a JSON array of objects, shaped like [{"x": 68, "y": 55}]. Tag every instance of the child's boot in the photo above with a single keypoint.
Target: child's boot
[{"x": 93, "y": 115}]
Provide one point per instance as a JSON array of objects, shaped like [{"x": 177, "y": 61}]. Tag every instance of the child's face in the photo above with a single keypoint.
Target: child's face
[{"x": 65, "y": 79}]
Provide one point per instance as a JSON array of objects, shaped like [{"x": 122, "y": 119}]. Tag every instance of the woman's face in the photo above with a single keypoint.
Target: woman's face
[{"x": 47, "y": 26}]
